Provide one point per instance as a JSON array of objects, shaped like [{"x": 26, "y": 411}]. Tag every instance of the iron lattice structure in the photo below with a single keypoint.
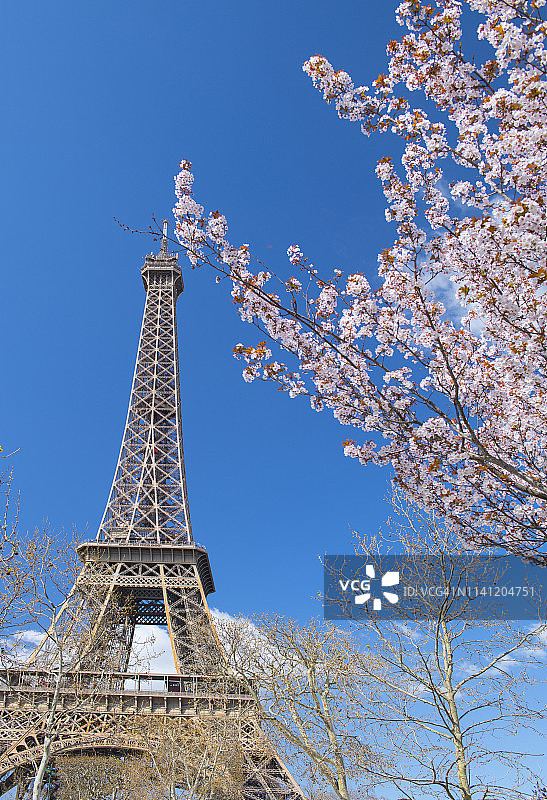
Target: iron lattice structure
[
  {"x": 149, "y": 500},
  {"x": 142, "y": 569}
]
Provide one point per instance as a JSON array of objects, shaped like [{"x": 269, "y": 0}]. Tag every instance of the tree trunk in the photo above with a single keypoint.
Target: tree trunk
[
  {"x": 48, "y": 739},
  {"x": 461, "y": 763},
  {"x": 342, "y": 782},
  {"x": 40, "y": 772}
]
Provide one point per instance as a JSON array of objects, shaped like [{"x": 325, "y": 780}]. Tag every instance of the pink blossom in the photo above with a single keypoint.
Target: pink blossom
[{"x": 444, "y": 361}]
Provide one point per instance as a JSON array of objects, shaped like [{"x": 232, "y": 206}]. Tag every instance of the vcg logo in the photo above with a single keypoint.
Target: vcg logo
[{"x": 364, "y": 591}]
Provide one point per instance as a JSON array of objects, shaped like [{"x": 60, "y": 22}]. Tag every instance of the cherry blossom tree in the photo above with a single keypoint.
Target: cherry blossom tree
[{"x": 452, "y": 396}]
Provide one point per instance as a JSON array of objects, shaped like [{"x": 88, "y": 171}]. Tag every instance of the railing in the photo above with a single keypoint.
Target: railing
[{"x": 145, "y": 683}]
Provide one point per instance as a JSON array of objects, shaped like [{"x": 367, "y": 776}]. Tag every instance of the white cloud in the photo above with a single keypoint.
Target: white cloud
[
  {"x": 445, "y": 292},
  {"x": 412, "y": 633},
  {"x": 29, "y": 636},
  {"x": 21, "y": 645},
  {"x": 217, "y": 614},
  {"x": 247, "y": 635},
  {"x": 152, "y": 649},
  {"x": 248, "y": 629},
  {"x": 540, "y": 632},
  {"x": 157, "y": 655}
]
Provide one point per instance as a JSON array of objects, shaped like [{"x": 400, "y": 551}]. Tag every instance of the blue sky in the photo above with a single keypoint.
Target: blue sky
[{"x": 101, "y": 101}]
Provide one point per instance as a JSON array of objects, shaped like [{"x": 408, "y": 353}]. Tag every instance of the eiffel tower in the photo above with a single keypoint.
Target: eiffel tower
[{"x": 143, "y": 568}]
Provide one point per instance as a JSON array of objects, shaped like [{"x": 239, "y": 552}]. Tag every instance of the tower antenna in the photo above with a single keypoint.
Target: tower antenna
[{"x": 164, "y": 246}]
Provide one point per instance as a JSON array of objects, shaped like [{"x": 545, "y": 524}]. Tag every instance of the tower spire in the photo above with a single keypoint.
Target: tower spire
[{"x": 164, "y": 245}]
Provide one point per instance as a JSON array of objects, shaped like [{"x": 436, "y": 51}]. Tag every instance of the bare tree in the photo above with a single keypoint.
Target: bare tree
[
  {"x": 81, "y": 662},
  {"x": 427, "y": 704},
  {"x": 298, "y": 679},
  {"x": 444, "y": 692},
  {"x": 42, "y": 603},
  {"x": 18, "y": 555},
  {"x": 194, "y": 759},
  {"x": 103, "y": 777},
  {"x": 198, "y": 757}
]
